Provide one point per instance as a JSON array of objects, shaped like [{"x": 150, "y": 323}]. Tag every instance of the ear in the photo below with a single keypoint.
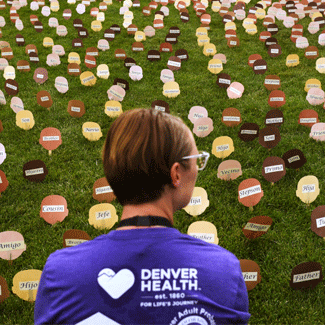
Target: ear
[{"x": 175, "y": 174}]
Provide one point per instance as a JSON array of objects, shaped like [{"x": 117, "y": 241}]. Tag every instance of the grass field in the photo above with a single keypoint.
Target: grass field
[{"x": 76, "y": 164}]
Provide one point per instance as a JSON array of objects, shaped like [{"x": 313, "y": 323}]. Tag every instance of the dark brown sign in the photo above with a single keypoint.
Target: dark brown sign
[
  {"x": 83, "y": 32},
  {"x": 153, "y": 55},
  {"x": 274, "y": 50},
  {"x": 273, "y": 169},
  {"x": 77, "y": 42},
  {"x": 122, "y": 83},
  {"x": 11, "y": 87},
  {"x": 116, "y": 28},
  {"x": 306, "y": 275},
  {"x": 160, "y": 105},
  {"x": 274, "y": 117},
  {"x": 109, "y": 34},
  {"x": 260, "y": 66},
  {"x": 129, "y": 62},
  {"x": 33, "y": 57},
  {"x": 171, "y": 38},
  {"x": 77, "y": 23},
  {"x": 20, "y": 41},
  {"x": 248, "y": 132},
  {"x": 269, "y": 137},
  {"x": 38, "y": 26},
  {"x": 294, "y": 158},
  {"x": 223, "y": 80},
  {"x": 182, "y": 54},
  {"x": 35, "y": 170}
]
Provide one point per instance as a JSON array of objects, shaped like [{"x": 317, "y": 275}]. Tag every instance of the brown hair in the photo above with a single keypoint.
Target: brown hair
[{"x": 141, "y": 147}]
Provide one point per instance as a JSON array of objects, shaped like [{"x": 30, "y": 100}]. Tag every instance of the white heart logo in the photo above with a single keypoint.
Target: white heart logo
[{"x": 116, "y": 284}]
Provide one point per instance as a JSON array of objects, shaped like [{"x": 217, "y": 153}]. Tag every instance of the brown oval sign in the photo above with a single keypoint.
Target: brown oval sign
[
  {"x": 76, "y": 108},
  {"x": 160, "y": 105},
  {"x": 102, "y": 192},
  {"x": 306, "y": 275},
  {"x": 257, "y": 227},
  {"x": 74, "y": 237}
]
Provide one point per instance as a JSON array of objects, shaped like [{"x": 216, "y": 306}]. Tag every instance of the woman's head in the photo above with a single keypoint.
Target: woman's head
[{"x": 141, "y": 147}]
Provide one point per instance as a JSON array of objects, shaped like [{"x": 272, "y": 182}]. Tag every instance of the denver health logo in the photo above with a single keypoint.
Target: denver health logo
[{"x": 116, "y": 284}]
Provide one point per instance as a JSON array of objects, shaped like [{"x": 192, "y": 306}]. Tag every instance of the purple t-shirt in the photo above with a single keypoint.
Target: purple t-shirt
[{"x": 142, "y": 276}]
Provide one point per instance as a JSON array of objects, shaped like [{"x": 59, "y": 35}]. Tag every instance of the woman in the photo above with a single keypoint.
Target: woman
[{"x": 145, "y": 271}]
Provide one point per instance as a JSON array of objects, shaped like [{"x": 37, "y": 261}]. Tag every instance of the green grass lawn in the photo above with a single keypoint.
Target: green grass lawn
[{"x": 76, "y": 164}]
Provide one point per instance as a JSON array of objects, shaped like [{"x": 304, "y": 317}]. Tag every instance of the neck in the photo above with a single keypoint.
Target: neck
[{"x": 157, "y": 208}]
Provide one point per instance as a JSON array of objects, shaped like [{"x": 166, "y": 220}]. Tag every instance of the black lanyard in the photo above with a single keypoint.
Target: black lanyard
[{"x": 145, "y": 221}]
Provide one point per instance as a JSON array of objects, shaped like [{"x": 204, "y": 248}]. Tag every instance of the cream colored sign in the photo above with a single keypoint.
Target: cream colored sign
[
  {"x": 74, "y": 57},
  {"x": 312, "y": 83},
  {"x": 25, "y": 284},
  {"x": 113, "y": 108},
  {"x": 292, "y": 60},
  {"x": 198, "y": 203},
  {"x": 87, "y": 78},
  {"x": 103, "y": 71},
  {"x": 25, "y": 119},
  {"x": 103, "y": 216},
  {"x": 171, "y": 89},
  {"x": 308, "y": 189},
  {"x": 204, "y": 230},
  {"x": 215, "y": 66},
  {"x": 222, "y": 147},
  {"x": 203, "y": 40},
  {"x": 91, "y": 131},
  {"x": 209, "y": 49}
]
